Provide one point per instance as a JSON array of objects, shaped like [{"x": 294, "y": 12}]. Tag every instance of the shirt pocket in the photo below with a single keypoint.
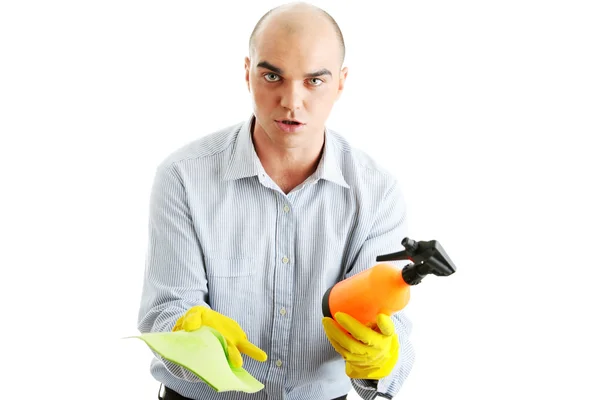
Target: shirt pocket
[{"x": 232, "y": 287}]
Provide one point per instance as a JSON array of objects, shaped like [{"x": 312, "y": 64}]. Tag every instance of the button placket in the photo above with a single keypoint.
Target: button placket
[{"x": 284, "y": 284}]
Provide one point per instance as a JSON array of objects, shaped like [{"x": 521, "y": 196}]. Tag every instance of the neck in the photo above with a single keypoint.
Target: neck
[{"x": 287, "y": 164}]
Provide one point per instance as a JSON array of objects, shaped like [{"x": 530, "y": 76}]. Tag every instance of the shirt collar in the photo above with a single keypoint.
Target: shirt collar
[
  {"x": 244, "y": 161},
  {"x": 329, "y": 167}
]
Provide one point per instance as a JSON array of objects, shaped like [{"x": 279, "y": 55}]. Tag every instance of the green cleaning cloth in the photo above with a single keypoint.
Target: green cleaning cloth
[{"x": 204, "y": 353}]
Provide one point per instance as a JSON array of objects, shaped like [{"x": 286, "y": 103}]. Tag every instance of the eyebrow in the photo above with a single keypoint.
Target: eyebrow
[{"x": 279, "y": 71}]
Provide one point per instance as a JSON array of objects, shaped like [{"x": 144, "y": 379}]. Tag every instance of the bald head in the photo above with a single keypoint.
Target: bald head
[{"x": 296, "y": 18}]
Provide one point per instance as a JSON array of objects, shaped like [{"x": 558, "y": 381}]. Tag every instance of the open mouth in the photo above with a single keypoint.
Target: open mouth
[{"x": 288, "y": 122}]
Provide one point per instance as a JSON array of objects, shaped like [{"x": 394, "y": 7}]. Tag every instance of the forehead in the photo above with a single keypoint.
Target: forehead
[{"x": 299, "y": 50}]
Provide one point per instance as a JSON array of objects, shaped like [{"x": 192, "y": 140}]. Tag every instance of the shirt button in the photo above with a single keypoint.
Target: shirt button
[
  {"x": 279, "y": 363},
  {"x": 285, "y": 260},
  {"x": 282, "y": 311},
  {"x": 286, "y": 208}
]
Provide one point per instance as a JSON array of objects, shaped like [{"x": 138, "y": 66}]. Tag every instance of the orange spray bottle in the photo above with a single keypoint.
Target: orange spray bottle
[{"x": 385, "y": 288}]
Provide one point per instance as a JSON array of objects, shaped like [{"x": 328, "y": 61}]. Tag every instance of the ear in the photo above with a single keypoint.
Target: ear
[
  {"x": 247, "y": 67},
  {"x": 342, "y": 82}
]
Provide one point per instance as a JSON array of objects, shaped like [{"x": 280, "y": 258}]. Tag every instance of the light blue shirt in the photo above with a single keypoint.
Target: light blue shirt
[{"x": 223, "y": 234}]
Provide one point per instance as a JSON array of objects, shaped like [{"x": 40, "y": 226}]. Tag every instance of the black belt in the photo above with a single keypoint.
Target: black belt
[{"x": 170, "y": 394}]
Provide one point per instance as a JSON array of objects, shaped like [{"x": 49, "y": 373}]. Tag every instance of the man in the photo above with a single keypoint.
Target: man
[{"x": 250, "y": 226}]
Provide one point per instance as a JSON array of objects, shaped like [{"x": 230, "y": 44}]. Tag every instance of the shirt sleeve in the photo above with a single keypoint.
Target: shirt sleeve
[
  {"x": 389, "y": 228},
  {"x": 174, "y": 278}
]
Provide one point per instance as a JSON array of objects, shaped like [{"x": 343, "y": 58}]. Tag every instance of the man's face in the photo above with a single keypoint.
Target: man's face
[{"x": 294, "y": 80}]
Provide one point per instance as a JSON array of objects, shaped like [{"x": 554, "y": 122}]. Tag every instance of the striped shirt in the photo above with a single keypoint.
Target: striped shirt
[{"x": 222, "y": 234}]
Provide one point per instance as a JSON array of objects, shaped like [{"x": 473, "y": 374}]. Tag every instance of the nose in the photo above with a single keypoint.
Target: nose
[{"x": 292, "y": 96}]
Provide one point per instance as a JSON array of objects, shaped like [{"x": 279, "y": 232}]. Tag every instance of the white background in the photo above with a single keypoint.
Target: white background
[{"x": 486, "y": 112}]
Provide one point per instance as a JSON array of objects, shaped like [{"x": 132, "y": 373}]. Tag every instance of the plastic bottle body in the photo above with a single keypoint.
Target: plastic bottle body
[{"x": 379, "y": 289}]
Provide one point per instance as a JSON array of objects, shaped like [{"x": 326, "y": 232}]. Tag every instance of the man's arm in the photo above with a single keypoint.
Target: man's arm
[
  {"x": 175, "y": 278},
  {"x": 385, "y": 237}
]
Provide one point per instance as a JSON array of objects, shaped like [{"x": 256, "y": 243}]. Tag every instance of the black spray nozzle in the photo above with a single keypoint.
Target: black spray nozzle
[{"x": 428, "y": 257}]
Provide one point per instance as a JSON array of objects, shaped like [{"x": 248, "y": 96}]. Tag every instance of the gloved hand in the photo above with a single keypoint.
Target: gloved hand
[
  {"x": 237, "y": 341},
  {"x": 369, "y": 353}
]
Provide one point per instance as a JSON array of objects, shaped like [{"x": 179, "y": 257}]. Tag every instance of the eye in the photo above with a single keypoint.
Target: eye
[
  {"x": 272, "y": 77},
  {"x": 315, "y": 81}
]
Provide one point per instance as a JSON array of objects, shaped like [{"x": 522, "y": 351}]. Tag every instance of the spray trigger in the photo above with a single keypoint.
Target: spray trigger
[{"x": 428, "y": 257}]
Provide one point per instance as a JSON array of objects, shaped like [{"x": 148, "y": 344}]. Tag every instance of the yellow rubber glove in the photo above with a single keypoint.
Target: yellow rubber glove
[
  {"x": 369, "y": 353},
  {"x": 237, "y": 341}
]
